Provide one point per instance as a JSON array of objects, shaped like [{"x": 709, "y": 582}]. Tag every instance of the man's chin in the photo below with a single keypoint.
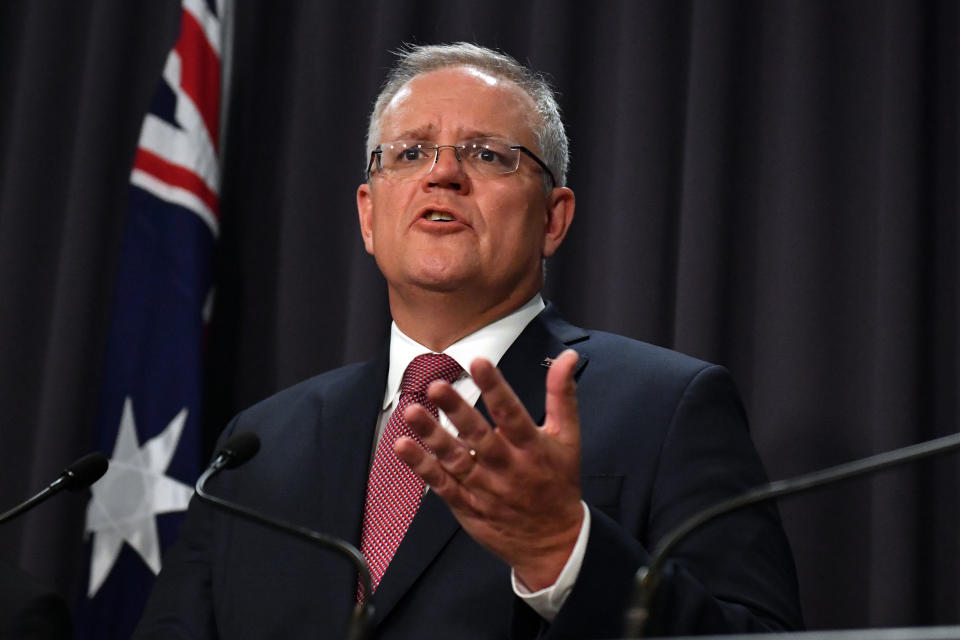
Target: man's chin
[
  {"x": 438, "y": 285},
  {"x": 442, "y": 276}
]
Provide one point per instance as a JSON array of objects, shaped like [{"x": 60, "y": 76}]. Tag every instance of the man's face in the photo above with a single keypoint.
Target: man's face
[{"x": 501, "y": 227}]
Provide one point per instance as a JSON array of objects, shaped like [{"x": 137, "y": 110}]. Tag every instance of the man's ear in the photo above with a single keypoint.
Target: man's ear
[
  {"x": 560, "y": 206},
  {"x": 365, "y": 214}
]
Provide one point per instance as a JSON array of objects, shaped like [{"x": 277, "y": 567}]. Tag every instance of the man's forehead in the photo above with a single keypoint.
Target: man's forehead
[
  {"x": 488, "y": 78},
  {"x": 399, "y": 97},
  {"x": 470, "y": 71},
  {"x": 432, "y": 101}
]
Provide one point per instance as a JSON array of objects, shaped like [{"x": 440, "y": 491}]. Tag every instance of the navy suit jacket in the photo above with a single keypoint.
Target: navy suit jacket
[
  {"x": 29, "y": 610},
  {"x": 663, "y": 435}
]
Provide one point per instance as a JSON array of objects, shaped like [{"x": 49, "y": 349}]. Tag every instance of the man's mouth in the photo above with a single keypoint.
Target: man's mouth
[{"x": 438, "y": 216}]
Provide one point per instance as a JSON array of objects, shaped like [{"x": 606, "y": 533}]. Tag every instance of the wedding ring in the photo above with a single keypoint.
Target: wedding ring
[{"x": 473, "y": 462}]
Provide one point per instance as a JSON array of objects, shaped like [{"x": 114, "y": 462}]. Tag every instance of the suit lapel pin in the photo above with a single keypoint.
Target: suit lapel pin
[{"x": 546, "y": 362}]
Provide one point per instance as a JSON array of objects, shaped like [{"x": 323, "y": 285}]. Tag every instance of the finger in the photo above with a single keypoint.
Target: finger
[
  {"x": 473, "y": 429},
  {"x": 468, "y": 421},
  {"x": 505, "y": 409},
  {"x": 422, "y": 463},
  {"x": 452, "y": 453},
  {"x": 433, "y": 474},
  {"x": 561, "y": 400},
  {"x": 428, "y": 429}
]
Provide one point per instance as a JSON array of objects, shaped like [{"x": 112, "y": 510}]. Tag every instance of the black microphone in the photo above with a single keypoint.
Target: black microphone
[
  {"x": 79, "y": 474},
  {"x": 648, "y": 577},
  {"x": 236, "y": 451}
]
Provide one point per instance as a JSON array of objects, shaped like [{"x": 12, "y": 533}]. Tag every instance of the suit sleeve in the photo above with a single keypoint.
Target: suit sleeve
[
  {"x": 734, "y": 575},
  {"x": 180, "y": 606},
  {"x": 28, "y": 609}
]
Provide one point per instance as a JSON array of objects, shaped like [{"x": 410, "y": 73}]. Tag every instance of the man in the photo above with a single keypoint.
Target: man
[
  {"x": 487, "y": 502},
  {"x": 28, "y": 609}
]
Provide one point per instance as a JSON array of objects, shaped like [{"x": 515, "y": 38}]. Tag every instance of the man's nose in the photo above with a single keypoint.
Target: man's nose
[{"x": 447, "y": 168}]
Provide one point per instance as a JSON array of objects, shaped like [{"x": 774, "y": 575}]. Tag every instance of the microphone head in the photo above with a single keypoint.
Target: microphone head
[
  {"x": 239, "y": 448},
  {"x": 83, "y": 472}
]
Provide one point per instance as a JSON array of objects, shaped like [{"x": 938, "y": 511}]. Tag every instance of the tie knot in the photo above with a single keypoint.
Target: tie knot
[{"x": 424, "y": 369}]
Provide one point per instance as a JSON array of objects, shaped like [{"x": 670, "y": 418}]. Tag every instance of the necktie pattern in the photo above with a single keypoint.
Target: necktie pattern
[{"x": 393, "y": 490}]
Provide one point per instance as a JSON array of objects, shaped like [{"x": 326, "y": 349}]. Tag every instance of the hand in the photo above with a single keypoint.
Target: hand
[{"x": 519, "y": 496}]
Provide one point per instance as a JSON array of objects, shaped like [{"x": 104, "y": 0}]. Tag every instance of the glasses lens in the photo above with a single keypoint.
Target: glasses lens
[
  {"x": 404, "y": 157},
  {"x": 483, "y": 156},
  {"x": 490, "y": 156}
]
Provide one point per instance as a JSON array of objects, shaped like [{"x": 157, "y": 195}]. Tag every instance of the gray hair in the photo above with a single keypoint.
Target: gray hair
[{"x": 417, "y": 60}]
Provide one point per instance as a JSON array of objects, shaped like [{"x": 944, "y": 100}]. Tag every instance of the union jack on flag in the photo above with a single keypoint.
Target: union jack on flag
[{"x": 150, "y": 405}]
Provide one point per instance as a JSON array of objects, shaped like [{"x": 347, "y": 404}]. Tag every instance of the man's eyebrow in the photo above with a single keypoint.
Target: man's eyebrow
[
  {"x": 479, "y": 135},
  {"x": 419, "y": 133},
  {"x": 426, "y": 133}
]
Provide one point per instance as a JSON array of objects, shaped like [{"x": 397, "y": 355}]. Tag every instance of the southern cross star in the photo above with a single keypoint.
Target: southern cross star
[{"x": 134, "y": 490}]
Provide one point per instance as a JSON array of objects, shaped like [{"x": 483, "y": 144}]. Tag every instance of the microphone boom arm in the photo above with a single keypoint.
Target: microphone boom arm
[
  {"x": 648, "y": 577},
  {"x": 32, "y": 502},
  {"x": 80, "y": 474},
  {"x": 363, "y": 612}
]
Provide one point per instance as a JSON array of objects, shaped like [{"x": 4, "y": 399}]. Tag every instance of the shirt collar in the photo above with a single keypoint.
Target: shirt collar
[{"x": 490, "y": 342}]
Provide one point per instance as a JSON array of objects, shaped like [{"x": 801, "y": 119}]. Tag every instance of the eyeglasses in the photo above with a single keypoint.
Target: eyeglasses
[{"x": 488, "y": 157}]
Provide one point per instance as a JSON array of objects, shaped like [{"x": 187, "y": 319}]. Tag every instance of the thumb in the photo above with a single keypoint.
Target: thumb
[{"x": 562, "y": 417}]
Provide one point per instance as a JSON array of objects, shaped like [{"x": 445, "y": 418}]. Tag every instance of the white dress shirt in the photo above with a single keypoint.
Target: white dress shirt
[{"x": 490, "y": 342}]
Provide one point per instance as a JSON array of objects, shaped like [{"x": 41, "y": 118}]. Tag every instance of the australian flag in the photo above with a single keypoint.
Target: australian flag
[{"x": 150, "y": 406}]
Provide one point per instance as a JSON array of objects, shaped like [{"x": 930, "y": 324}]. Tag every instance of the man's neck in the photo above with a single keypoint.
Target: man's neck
[{"x": 437, "y": 320}]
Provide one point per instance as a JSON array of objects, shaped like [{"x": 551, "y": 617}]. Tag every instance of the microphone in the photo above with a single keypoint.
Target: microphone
[
  {"x": 237, "y": 450},
  {"x": 648, "y": 577},
  {"x": 78, "y": 475}
]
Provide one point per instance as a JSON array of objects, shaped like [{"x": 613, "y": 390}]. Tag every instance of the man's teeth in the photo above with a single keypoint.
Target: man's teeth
[{"x": 438, "y": 216}]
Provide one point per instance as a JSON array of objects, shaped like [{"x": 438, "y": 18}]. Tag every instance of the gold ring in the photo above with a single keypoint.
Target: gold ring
[{"x": 473, "y": 462}]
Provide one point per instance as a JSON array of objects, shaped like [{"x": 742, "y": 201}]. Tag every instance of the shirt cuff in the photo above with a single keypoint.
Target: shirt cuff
[{"x": 547, "y": 602}]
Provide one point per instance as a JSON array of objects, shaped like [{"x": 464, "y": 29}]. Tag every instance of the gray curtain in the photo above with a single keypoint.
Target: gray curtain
[{"x": 769, "y": 185}]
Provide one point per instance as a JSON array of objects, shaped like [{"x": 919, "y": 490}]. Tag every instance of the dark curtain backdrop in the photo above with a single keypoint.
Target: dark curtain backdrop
[{"x": 769, "y": 185}]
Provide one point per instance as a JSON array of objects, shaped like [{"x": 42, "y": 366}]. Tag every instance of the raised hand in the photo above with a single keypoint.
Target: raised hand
[{"x": 514, "y": 486}]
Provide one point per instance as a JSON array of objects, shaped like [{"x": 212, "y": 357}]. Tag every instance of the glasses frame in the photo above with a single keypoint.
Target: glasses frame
[{"x": 376, "y": 154}]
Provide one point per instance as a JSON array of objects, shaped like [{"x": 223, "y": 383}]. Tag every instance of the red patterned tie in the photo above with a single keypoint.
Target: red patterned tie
[{"x": 393, "y": 490}]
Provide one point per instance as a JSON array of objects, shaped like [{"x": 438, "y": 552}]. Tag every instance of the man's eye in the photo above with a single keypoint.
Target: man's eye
[
  {"x": 486, "y": 155},
  {"x": 410, "y": 154}
]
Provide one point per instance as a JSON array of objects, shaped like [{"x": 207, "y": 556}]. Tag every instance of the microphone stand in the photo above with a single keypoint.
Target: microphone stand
[
  {"x": 648, "y": 577},
  {"x": 79, "y": 475},
  {"x": 359, "y": 625},
  {"x": 47, "y": 492}
]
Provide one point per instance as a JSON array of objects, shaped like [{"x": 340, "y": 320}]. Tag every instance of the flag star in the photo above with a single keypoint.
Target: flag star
[{"x": 134, "y": 490}]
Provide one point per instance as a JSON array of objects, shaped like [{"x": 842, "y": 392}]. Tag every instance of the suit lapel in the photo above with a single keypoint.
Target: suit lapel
[
  {"x": 431, "y": 529},
  {"x": 349, "y": 419},
  {"x": 524, "y": 365},
  {"x": 433, "y": 526}
]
